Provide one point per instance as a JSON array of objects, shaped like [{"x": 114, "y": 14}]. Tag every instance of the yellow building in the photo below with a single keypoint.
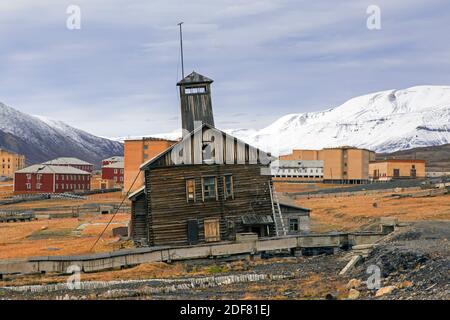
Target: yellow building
[
  {"x": 136, "y": 152},
  {"x": 10, "y": 162},
  {"x": 340, "y": 165},
  {"x": 346, "y": 164},
  {"x": 298, "y": 154},
  {"x": 397, "y": 169}
]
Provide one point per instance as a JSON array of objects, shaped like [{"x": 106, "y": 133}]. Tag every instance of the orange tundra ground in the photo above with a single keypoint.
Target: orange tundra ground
[
  {"x": 58, "y": 236},
  {"x": 351, "y": 213}
]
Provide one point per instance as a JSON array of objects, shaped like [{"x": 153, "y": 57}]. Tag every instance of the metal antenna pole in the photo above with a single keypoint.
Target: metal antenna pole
[{"x": 181, "y": 46}]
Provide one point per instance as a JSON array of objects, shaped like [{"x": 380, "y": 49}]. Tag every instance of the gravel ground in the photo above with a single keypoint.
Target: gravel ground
[
  {"x": 415, "y": 260},
  {"x": 414, "y": 264}
]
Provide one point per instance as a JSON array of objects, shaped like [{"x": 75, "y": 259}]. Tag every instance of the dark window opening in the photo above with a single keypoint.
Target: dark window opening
[
  {"x": 228, "y": 187},
  {"x": 209, "y": 188},
  {"x": 294, "y": 224}
]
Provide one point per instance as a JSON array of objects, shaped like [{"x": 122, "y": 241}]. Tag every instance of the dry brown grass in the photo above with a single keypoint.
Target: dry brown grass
[
  {"x": 57, "y": 236},
  {"x": 350, "y": 213}
]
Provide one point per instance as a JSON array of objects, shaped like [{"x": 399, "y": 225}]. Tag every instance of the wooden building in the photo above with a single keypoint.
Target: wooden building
[
  {"x": 205, "y": 188},
  {"x": 195, "y": 101},
  {"x": 296, "y": 218}
]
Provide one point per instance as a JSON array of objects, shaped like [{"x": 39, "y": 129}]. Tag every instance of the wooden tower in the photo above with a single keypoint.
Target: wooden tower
[{"x": 195, "y": 100}]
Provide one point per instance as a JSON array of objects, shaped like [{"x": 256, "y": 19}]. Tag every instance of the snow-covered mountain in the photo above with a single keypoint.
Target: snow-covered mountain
[
  {"x": 42, "y": 139},
  {"x": 385, "y": 121}
]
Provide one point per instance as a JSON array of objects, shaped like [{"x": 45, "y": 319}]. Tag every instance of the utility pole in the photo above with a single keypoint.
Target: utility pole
[{"x": 181, "y": 47}]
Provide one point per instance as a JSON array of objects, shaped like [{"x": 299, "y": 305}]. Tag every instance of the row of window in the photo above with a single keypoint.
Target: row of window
[
  {"x": 68, "y": 177},
  {"x": 296, "y": 176},
  {"x": 300, "y": 170},
  {"x": 210, "y": 188},
  {"x": 116, "y": 179},
  {"x": 116, "y": 171},
  {"x": 63, "y": 186},
  {"x": 71, "y": 186}
]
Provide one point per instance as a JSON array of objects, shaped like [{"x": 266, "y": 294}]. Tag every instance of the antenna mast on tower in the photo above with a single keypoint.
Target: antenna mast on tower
[{"x": 181, "y": 47}]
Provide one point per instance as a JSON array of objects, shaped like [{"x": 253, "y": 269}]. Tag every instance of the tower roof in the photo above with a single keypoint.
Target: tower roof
[{"x": 194, "y": 78}]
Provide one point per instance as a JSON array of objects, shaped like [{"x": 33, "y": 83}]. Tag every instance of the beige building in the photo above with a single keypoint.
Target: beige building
[
  {"x": 346, "y": 164},
  {"x": 138, "y": 151},
  {"x": 397, "y": 169},
  {"x": 340, "y": 165},
  {"x": 298, "y": 154},
  {"x": 10, "y": 162}
]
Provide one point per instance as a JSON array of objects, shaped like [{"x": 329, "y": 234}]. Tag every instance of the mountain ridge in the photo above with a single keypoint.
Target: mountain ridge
[{"x": 41, "y": 139}]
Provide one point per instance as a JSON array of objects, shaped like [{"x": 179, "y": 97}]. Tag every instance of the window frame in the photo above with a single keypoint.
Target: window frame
[
  {"x": 227, "y": 196},
  {"x": 216, "y": 195},
  {"x": 297, "y": 219},
  {"x": 194, "y": 198}
]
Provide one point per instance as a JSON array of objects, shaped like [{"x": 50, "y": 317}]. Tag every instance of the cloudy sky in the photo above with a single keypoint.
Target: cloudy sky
[{"x": 116, "y": 76}]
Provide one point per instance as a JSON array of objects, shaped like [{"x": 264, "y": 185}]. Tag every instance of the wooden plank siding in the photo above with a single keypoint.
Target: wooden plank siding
[
  {"x": 139, "y": 218},
  {"x": 169, "y": 209}
]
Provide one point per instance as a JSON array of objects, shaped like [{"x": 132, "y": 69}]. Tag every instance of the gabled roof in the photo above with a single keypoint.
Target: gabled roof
[
  {"x": 115, "y": 165},
  {"x": 136, "y": 193},
  {"x": 114, "y": 158},
  {"x": 152, "y": 161},
  {"x": 67, "y": 161},
  {"x": 43, "y": 168},
  {"x": 195, "y": 78}
]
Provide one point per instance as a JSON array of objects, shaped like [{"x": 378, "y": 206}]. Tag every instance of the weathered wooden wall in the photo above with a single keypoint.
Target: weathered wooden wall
[{"x": 169, "y": 209}]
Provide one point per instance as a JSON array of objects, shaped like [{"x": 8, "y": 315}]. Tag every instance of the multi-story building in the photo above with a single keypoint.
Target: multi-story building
[
  {"x": 41, "y": 178},
  {"x": 71, "y": 162},
  {"x": 348, "y": 165},
  {"x": 114, "y": 172},
  {"x": 10, "y": 162},
  {"x": 138, "y": 151},
  {"x": 397, "y": 169}
]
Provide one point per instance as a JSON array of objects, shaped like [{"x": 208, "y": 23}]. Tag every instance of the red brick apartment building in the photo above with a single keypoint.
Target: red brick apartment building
[
  {"x": 41, "y": 178},
  {"x": 71, "y": 162},
  {"x": 111, "y": 160},
  {"x": 114, "y": 172}
]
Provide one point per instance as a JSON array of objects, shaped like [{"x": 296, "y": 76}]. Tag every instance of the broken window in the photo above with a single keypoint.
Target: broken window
[
  {"x": 228, "y": 187},
  {"x": 293, "y": 224},
  {"x": 209, "y": 188},
  {"x": 190, "y": 190},
  {"x": 195, "y": 90}
]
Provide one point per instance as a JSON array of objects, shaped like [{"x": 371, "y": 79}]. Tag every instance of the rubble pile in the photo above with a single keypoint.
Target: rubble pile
[{"x": 413, "y": 264}]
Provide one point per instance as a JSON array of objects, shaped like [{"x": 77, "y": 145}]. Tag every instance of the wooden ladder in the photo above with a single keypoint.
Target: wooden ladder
[{"x": 280, "y": 227}]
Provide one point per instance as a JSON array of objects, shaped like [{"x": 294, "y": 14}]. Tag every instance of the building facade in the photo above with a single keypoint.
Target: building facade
[
  {"x": 41, "y": 178},
  {"x": 138, "y": 151},
  {"x": 347, "y": 165},
  {"x": 113, "y": 171},
  {"x": 10, "y": 162},
  {"x": 397, "y": 169},
  {"x": 202, "y": 199},
  {"x": 297, "y": 170},
  {"x": 71, "y": 162}
]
